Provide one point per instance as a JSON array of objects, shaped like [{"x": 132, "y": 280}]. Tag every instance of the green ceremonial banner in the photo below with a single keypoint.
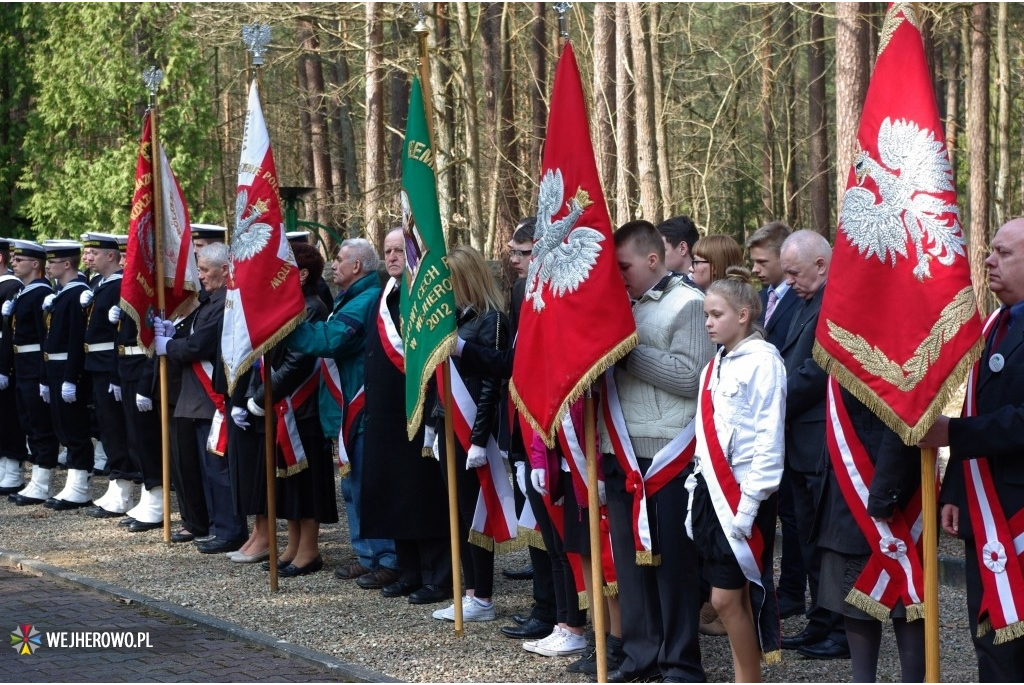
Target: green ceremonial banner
[{"x": 428, "y": 301}]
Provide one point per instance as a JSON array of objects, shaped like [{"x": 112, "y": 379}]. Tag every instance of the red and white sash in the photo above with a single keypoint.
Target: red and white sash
[
  {"x": 722, "y": 486},
  {"x": 217, "y": 443},
  {"x": 668, "y": 463},
  {"x": 293, "y": 455},
  {"x": 893, "y": 571},
  {"x": 351, "y": 412},
  {"x": 494, "y": 520},
  {"x": 390, "y": 337},
  {"x": 998, "y": 542}
]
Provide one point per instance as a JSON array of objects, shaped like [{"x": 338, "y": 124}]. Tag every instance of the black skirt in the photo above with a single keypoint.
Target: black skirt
[{"x": 310, "y": 493}]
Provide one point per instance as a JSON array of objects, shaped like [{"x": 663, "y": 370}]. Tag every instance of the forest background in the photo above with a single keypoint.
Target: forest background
[{"x": 732, "y": 113}]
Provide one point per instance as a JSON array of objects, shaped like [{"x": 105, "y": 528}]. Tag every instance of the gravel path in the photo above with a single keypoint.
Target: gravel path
[{"x": 361, "y": 627}]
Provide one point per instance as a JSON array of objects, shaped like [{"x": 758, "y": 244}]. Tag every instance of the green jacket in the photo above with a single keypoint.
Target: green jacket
[{"x": 341, "y": 338}]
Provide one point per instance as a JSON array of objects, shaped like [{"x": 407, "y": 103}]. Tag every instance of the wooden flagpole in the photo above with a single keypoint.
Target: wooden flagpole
[
  {"x": 256, "y": 38},
  {"x": 422, "y": 34},
  {"x": 153, "y": 77},
  {"x": 594, "y": 515},
  {"x": 930, "y": 547}
]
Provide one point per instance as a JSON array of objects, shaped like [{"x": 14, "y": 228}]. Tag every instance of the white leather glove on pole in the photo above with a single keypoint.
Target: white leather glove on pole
[
  {"x": 743, "y": 522},
  {"x": 114, "y": 315},
  {"x": 44, "y": 392},
  {"x": 161, "y": 344},
  {"x": 68, "y": 392},
  {"x": 115, "y": 390},
  {"x": 690, "y": 485},
  {"x": 85, "y": 299},
  {"x": 521, "y": 477},
  {"x": 239, "y": 416},
  {"x": 476, "y": 457},
  {"x": 4, "y": 382},
  {"x": 429, "y": 436},
  {"x": 254, "y": 408},
  {"x": 8, "y": 308},
  {"x": 539, "y": 479},
  {"x": 143, "y": 403}
]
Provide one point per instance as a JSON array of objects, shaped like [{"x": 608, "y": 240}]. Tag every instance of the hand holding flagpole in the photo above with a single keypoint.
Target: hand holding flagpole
[{"x": 153, "y": 77}]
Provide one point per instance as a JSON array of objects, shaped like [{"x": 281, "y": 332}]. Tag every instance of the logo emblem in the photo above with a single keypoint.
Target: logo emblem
[
  {"x": 250, "y": 236},
  {"x": 26, "y": 639},
  {"x": 563, "y": 254},
  {"x": 911, "y": 177}
]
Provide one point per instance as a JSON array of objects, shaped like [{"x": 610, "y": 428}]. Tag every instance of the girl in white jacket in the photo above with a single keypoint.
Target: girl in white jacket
[{"x": 739, "y": 460}]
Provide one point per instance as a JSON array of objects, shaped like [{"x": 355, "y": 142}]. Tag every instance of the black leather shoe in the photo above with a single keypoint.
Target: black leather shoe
[
  {"x": 142, "y": 526},
  {"x": 291, "y": 570},
  {"x": 826, "y": 649},
  {"x": 126, "y": 521},
  {"x": 280, "y": 564},
  {"x": 218, "y": 546},
  {"x": 520, "y": 619},
  {"x": 23, "y": 501},
  {"x": 182, "y": 536},
  {"x": 11, "y": 490},
  {"x": 430, "y": 594},
  {"x": 98, "y": 512},
  {"x": 379, "y": 579},
  {"x": 532, "y": 628},
  {"x": 800, "y": 639},
  {"x": 521, "y": 574},
  {"x": 64, "y": 505},
  {"x": 618, "y": 676},
  {"x": 400, "y": 588}
]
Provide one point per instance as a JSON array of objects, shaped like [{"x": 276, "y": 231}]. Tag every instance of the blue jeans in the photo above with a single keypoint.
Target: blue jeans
[{"x": 373, "y": 552}]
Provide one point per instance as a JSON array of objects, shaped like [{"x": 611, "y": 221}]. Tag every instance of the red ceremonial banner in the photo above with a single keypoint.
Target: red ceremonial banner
[
  {"x": 264, "y": 299},
  {"x": 138, "y": 286},
  {"x": 899, "y": 325},
  {"x": 576, "y": 319}
]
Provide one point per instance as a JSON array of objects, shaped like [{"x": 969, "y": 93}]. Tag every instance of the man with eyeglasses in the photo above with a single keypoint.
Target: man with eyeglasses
[
  {"x": 22, "y": 354},
  {"x": 12, "y": 435},
  {"x": 69, "y": 384}
]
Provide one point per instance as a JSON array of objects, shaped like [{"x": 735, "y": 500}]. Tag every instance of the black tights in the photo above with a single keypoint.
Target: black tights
[{"x": 865, "y": 638}]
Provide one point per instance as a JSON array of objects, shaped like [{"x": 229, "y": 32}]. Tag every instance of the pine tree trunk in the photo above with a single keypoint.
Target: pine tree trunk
[
  {"x": 789, "y": 177},
  {"x": 507, "y": 209},
  {"x": 768, "y": 77},
  {"x": 643, "y": 101},
  {"x": 316, "y": 104},
  {"x": 1003, "y": 117},
  {"x": 538, "y": 91},
  {"x": 625, "y": 132},
  {"x": 400, "y": 84},
  {"x": 817, "y": 116},
  {"x": 374, "y": 163},
  {"x": 977, "y": 149},
  {"x": 474, "y": 205},
  {"x": 350, "y": 163},
  {"x": 604, "y": 98},
  {"x": 660, "y": 135},
  {"x": 444, "y": 109},
  {"x": 852, "y": 75},
  {"x": 952, "y": 96}
]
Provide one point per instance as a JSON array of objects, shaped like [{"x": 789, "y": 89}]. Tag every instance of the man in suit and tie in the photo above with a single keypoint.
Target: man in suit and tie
[
  {"x": 778, "y": 304},
  {"x": 993, "y": 434},
  {"x": 805, "y": 258}
]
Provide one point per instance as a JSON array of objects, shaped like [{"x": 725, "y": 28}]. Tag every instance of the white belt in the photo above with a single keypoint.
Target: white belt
[
  {"x": 56, "y": 356},
  {"x": 130, "y": 350},
  {"x": 99, "y": 347},
  {"x": 27, "y": 348}
]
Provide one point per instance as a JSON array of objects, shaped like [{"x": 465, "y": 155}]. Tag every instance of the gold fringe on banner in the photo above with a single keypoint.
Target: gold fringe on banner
[
  {"x": 440, "y": 354},
  {"x": 293, "y": 469},
  {"x": 532, "y": 537},
  {"x": 611, "y": 589},
  {"x": 247, "y": 361},
  {"x": 1010, "y": 632},
  {"x": 772, "y": 658},
  {"x": 487, "y": 542},
  {"x": 548, "y": 433},
  {"x": 868, "y": 605},
  {"x": 583, "y": 599},
  {"x": 646, "y": 558},
  {"x": 915, "y": 611}
]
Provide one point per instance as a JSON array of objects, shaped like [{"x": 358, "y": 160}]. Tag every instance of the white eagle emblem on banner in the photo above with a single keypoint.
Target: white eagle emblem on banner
[
  {"x": 564, "y": 265},
  {"x": 913, "y": 174},
  {"x": 249, "y": 237}
]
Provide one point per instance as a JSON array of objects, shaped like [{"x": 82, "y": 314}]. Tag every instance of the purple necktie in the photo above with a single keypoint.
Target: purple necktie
[{"x": 773, "y": 299}]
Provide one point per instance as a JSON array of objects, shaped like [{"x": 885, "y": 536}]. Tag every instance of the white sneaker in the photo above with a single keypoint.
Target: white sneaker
[
  {"x": 472, "y": 610},
  {"x": 531, "y": 645},
  {"x": 561, "y": 643}
]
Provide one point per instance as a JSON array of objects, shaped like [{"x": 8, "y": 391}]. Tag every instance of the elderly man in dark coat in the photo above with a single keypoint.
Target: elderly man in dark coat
[{"x": 404, "y": 497}]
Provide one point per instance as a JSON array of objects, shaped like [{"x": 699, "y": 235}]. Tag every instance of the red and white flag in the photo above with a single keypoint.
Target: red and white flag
[
  {"x": 264, "y": 298},
  {"x": 181, "y": 278},
  {"x": 899, "y": 325},
  {"x": 573, "y": 279}
]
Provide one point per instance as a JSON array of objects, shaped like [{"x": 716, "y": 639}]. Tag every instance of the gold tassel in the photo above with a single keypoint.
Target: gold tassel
[
  {"x": 611, "y": 589},
  {"x": 646, "y": 558},
  {"x": 293, "y": 469},
  {"x": 344, "y": 470},
  {"x": 915, "y": 611},
  {"x": 772, "y": 658},
  {"x": 512, "y": 545},
  {"x": 868, "y": 605},
  {"x": 583, "y": 599},
  {"x": 593, "y": 373},
  {"x": 1010, "y": 632},
  {"x": 984, "y": 627},
  {"x": 532, "y": 537}
]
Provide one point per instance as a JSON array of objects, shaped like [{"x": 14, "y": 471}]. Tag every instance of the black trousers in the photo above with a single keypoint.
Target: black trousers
[
  {"x": 996, "y": 663},
  {"x": 38, "y": 424},
  {"x": 545, "y": 606},
  {"x": 225, "y": 522},
  {"x": 188, "y": 476},
  {"x": 72, "y": 423},
  {"x": 567, "y": 602},
  {"x": 112, "y": 430},
  {"x": 660, "y": 605},
  {"x": 145, "y": 447},
  {"x": 477, "y": 562},
  {"x": 792, "y": 587},
  {"x": 425, "y": 561},
  {"x": 12, "y": 435},
  {"x": 821, "y": 622}
]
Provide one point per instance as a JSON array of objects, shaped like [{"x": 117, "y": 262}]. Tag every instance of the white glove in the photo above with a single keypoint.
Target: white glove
[
  {"x": 743, "y": 522},
  {"x": 521, "y": 477},
  {"x": 539, "y": 478},
  {"x": 602, "y": 497},
  {"x": 161, "y": 344},
  {"x": 690, "y": 485},
  {"x": 164, "y": 327},
  {"x": 4, "y": 382},
  {"x": 238, "y": 415},
  {"x": 44, "y": 392},
  {"x": 86, "y": 298},
  {"x": 459, "y": 344},
  {"x": 68, "y": 392},
  {"x": 429, "y": 436},
  {"x": 255, "y": 409},
  {"x": 476, "y": 457},
  {"x": 48, "y": 302},
  {"x": 143, "y": 403},
  {"x": 8, "y": 308},
  {"x": 115, "y": 390},
  {"x": 114, "y": 315}
]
